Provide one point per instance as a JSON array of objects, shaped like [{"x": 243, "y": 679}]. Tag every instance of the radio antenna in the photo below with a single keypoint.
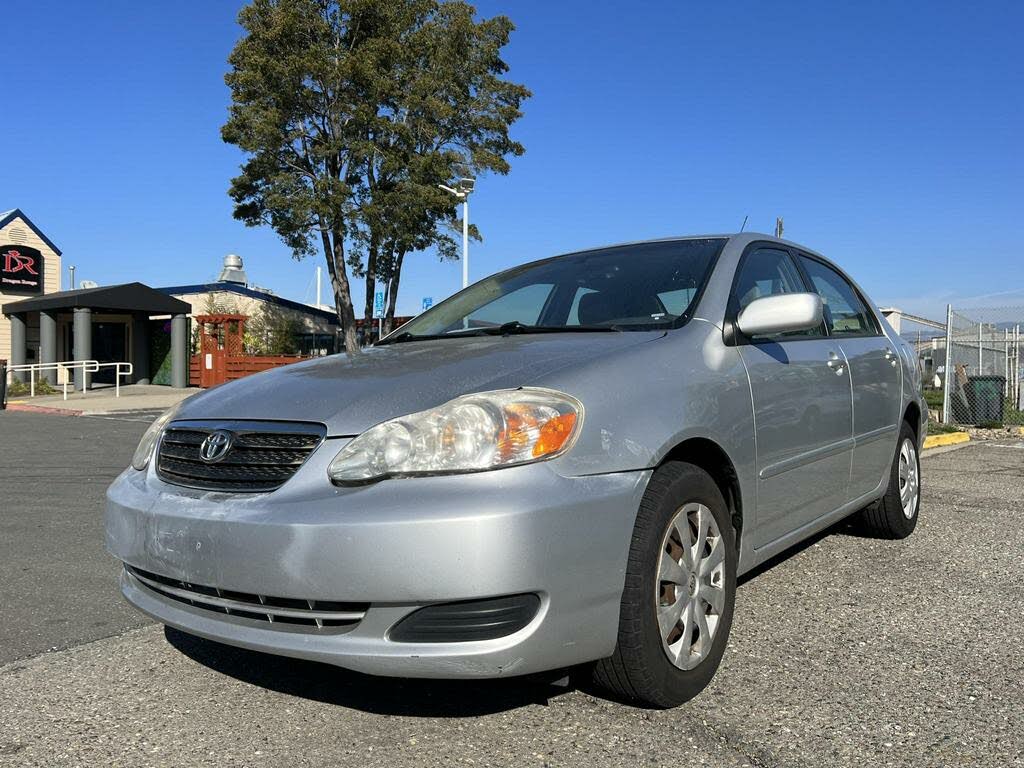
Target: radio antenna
[{"x": 744, "y": 225}]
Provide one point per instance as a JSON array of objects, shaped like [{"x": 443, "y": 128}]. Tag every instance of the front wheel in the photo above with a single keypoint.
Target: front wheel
[{"x": 677, "y": 603}]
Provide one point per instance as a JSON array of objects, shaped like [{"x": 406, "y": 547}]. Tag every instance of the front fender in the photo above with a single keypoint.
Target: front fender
[{"x": 644, "y": 401}]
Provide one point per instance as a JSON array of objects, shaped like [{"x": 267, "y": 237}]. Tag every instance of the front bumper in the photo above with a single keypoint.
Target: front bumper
[{"x": 397, "y": 545}]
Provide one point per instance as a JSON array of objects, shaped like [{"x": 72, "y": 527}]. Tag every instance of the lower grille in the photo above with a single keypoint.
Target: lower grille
[
  {"x": 259, "y": 456},
  {"x": 467, "y": 620},
  {"x": 291, "y": 612}
]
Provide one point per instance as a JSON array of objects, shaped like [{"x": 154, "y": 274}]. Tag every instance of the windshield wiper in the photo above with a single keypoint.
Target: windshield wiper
[
  {"x": 517, "y": 327},
  {"x": 505, "y": 329},
  {"x": 407, "y": 336}
]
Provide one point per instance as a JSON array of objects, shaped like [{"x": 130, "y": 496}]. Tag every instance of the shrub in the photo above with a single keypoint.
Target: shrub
[
  {"x": 934, "y": 398},
  {"x": 22, "y": 389}
]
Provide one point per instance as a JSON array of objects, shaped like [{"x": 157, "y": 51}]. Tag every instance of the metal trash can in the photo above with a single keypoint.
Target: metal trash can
[
  {"x": 987, "y": 398},
  {"x": 3, "y": 384}
]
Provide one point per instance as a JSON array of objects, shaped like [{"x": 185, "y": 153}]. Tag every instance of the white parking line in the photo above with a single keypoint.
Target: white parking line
[{"x": 145, "y": 418}]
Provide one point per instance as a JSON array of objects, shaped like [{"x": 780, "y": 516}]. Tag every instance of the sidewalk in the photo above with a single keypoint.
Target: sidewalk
[{"x": 101, "y": 400}]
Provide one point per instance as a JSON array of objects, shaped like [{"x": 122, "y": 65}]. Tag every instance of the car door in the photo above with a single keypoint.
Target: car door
[
  {"x": 875, "y": 373},
  {"x": 802, "y": 405}
]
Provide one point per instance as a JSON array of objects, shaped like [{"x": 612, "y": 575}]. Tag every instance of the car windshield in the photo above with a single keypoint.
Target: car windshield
[{"x": 645, "y": 286}]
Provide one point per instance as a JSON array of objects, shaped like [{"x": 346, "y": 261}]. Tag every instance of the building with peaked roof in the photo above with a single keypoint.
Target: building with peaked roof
[
  {"x": 130, "y": 323},
  {"x": 231, "y": 292},
  {"x": 30, "y": 265}
]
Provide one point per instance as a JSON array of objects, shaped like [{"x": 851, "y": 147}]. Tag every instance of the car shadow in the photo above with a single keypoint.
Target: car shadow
[
  {"x": 418, "y": 697},
  {"x": 847, "y": 527},
  {"x": 377, "y": 695}
]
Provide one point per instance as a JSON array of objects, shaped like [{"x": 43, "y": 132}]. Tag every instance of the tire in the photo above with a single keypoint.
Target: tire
[
  {"x": 894, "y": 516},
  {"x": 679, "y": 498}
]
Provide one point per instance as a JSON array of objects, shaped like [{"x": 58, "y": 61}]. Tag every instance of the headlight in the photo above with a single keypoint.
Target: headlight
[
  {"x": 145, "y": 450},
  {"x": 468, "y": 434}
]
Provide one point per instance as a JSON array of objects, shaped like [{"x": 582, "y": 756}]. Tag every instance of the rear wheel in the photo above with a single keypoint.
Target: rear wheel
[
  {"x": 677, "y": 604},
  {"x": 894, "y": 516}
]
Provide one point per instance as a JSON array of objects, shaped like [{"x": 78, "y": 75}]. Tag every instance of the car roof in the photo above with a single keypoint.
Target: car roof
[
  {"x": 737, "y": 239},
  {"x": 741, "y": 238}
]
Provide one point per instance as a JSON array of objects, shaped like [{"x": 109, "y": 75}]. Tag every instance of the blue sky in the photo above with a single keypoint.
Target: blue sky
[{"x": 887, "y": 134}]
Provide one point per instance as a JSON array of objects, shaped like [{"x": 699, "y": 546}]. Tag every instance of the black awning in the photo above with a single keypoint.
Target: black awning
[{"x": 130, "y": 297}]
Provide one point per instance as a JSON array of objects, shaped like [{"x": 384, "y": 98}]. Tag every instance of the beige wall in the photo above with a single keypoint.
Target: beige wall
[
  {"x": 18, "y": 232},
  {"x": 227, "y": 301}
]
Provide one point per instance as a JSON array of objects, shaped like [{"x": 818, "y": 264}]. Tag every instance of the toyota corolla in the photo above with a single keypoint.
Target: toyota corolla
[{"x": 566, "y": 463}]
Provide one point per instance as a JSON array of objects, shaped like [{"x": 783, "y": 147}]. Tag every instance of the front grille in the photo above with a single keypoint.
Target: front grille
[
  {"x": 261, "y": 457},
  {"x": 286, "y": 611}
]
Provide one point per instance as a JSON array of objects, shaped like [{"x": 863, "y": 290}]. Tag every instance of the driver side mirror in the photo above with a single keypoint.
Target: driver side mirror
[{"x": 781, "y": 313}]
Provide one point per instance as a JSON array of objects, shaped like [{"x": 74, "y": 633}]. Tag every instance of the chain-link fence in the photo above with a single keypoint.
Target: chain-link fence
[
  {"x": 980, "y": 361},
  {"x": 928, "y": 339}
]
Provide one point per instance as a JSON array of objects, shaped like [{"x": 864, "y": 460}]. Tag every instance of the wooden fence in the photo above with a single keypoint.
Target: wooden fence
[{"x": 237, "y": 367}]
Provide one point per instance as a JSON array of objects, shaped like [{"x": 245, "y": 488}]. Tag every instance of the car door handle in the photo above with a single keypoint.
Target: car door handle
[
  {"x": 891, "y": 357},
  {"x": 836, "y": 363}
]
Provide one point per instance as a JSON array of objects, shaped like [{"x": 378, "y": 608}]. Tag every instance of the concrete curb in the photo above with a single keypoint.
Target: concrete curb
[
  {"x": 43, "y": 409},
  {"x": 950, "y": 438}
]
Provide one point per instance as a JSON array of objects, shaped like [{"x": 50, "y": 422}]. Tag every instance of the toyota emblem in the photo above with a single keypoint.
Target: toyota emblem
[{"x": 216, "y": 446}]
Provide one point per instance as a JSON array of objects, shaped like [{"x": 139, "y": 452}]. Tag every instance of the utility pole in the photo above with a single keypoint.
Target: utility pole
[{"x": 778, "y": 227}]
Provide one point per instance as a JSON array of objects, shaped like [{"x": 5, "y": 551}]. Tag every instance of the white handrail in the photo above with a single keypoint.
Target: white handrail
[
  {"x": 120, "y": 369},
  {"x": 87, "y": 366}
]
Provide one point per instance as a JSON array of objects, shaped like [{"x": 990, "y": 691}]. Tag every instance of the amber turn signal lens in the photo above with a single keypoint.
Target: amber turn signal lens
[
  {"x": 554, "y": 434},
  {"x": 482, "y": 430}
]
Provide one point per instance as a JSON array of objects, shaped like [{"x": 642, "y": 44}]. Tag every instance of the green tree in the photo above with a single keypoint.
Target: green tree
[
  {"x": 271, "y": 331},
  {"x": 350, "y": 112}
]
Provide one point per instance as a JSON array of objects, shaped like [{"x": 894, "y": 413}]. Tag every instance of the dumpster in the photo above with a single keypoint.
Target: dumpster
[{"x": 986, "y": 396}]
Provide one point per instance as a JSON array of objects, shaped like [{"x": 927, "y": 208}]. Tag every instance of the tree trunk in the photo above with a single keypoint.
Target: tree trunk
[
  {"x": 396, "y": 274},
  {"x": 371, "y": 284},
  {"x": 334, "y": 250}
]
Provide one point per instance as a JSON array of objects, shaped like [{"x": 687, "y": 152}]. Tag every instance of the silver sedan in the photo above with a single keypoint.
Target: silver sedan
[{"x": 567, "y": 463}]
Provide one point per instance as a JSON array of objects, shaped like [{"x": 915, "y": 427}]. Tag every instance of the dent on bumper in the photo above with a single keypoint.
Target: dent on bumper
[{"x": 397, "y": 545}]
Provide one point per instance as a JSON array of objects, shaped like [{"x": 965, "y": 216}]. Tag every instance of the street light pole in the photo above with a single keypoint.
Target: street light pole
[
  {"x": 463, "y": 187},
  {"x": 465, "y": 240}
]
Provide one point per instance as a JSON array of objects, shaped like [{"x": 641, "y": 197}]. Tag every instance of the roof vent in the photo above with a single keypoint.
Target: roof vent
[
  {"x": 233, "y": 271},
  {"x": 17, "y": 235}
]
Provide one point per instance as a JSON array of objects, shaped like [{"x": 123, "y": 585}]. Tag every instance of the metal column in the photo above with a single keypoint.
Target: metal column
[
  {"x": 179, "y": 351},
  {"x": 83, "y": 344},
  {"x": 48, "y": 343},
  {"x": 140, "y": 349},
  {"x": 19, "y": 347},
  {"x": 948, "y": 379},
  {"x": 981, "y": 360}
]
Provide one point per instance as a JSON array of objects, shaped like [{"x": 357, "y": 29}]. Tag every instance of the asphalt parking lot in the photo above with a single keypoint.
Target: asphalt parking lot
[{"x": 848, "y": 651}]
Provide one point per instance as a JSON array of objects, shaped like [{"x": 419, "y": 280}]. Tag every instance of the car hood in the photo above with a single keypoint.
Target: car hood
[{"x": 350, "y": 393}]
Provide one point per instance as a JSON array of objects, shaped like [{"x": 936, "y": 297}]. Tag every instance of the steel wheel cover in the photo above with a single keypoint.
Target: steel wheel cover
[
  {"x": 910, "y": 484},
  {"x": 690, "y": 589}
]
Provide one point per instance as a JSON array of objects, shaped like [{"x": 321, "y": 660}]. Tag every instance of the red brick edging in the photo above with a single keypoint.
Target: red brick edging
[{"x": 43, "y": 409}]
